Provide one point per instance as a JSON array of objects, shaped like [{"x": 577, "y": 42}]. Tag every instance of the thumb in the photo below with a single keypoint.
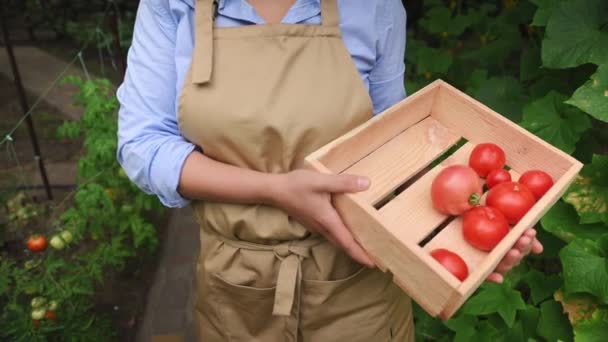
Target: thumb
[{"x": 343, "y": 183}]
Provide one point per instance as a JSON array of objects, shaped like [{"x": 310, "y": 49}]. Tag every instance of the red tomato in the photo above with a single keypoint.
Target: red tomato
[
  {"x": 486, "y": 157},
  {"x": 452, "y": 262},
  {"x": 496, "y": 177},
  {"x": 539, "y": 182},
  {"x": 456, "y": 189},
  {"x": 484, "y": 227},
  {"x": 51, "y": 315},
  {"x": 36, "y": 243},
  {"x": 512, "y": 199}
]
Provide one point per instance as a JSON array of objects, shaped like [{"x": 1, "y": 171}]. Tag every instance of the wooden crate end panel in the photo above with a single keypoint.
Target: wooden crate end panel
[
  {"x": 478, "y": 123},
  {"x": 405, "y": 261}
]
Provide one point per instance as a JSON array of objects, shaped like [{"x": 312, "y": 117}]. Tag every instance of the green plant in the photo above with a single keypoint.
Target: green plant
[
  {"x": 96, "y": 232},
  {"x": 543, "y": 64}
]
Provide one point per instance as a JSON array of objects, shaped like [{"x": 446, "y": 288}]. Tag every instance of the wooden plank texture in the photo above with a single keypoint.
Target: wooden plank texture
[
  {"x": 410, "y": 216},
  {"x": 364, "y": 139},
  {"x": 402, "y": 157}
]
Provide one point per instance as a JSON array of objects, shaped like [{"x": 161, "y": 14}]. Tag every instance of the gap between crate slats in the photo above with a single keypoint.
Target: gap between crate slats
[{"x": 402, "y": 157}]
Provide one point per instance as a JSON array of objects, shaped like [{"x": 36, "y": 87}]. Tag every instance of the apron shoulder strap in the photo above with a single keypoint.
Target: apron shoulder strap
[
  {"x": 329, "y": 13},
  {"x": 202, "y": 57}
]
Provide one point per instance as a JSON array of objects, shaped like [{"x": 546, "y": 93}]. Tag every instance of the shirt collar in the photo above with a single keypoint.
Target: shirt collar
[{"x": 301, "y": 11}]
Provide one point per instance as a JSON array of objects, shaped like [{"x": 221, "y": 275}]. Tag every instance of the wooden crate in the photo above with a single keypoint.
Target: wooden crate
[{"x": 396, "y": 148}]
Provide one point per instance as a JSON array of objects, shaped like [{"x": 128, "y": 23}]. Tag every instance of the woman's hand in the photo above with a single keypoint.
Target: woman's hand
[
  {"x": 527, "y": 243},
  {"x": 306, "y": 196}
]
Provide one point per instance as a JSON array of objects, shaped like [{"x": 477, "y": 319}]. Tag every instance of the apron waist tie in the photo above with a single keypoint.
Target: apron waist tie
[{"x": 289, "y": 278}]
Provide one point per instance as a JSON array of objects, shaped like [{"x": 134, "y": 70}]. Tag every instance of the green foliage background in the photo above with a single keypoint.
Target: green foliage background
[{"x": 544, "y": 65}]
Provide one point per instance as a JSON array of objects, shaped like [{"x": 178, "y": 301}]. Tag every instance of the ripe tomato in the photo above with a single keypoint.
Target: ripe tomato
[
  {"x": 487, "y": 157},
  {"x": 51, "y": 315},
  {"x": 36, "y": 243},
  {"x": 539, "y": 182},
  {"x": 484, "y": 227},
  {"x": 456, "y": 189},
  {"x": 452, "y": 262},
  {"x": 496, "y": 177},
  {"x": 512, "y": 199}
]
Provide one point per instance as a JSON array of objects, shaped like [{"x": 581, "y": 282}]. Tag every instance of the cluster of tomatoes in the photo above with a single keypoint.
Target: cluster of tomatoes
[
  {"x": 41, "y": 309},
  {"x": 38, "y": 243},
  {"x": 457, "y": 190}
]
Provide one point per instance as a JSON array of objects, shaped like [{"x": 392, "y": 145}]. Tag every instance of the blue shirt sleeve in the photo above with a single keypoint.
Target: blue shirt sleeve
[
  {"x": 386, "y": 79},
  {"x": 151, "y": 148}
]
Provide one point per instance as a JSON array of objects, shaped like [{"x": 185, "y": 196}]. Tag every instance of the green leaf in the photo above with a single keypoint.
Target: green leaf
[
  {"x": 553, "y": 121},
  {"x": 593, "y": 330},
  {"x": 562, "y": 221},
  {"x": 541, "y": 286},
  {"x": 502, "y": 94},
  {"x": 585, "y": 270},
  {"x": 544, "y": 11},
  {"x": 485, "y": 332},
  {"x": 529, "y": 65},
  {"x": 434, "y": 61},
  {"x": 493, "y": 298},
  {"x": 529, "y": 319},
  {"x": 464, "y": 327},
  {"x": 553, "y": 325},
  {"x": 439, "y": 20},
  {"x": 576, "y": 34},
  {"x": 592, "y": 97},
  {"x": 589, "y": 191},
  {"x": 578, "y": 307},
  {"x": 427, "y": 327}
]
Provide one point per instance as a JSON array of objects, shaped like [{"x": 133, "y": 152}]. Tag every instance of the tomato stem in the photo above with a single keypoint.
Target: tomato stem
[{"x": 474, "y": 199}]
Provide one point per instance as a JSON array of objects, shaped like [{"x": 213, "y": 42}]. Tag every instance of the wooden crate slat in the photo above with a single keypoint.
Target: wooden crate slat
[
  {"x": 410, "y": 216},
  {"x": 364, "y": 139},
  {"x": 415, "y": 148},
  {"x": 478, "y": 123},
  {"x": 451, "y": 238}
]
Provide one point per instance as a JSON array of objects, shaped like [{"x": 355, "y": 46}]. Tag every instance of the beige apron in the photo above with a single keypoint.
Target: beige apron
[{"x": 263, "y": 97}]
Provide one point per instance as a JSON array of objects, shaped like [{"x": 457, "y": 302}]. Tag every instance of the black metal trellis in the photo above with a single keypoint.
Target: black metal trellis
[{"x": 23, "y": 102}]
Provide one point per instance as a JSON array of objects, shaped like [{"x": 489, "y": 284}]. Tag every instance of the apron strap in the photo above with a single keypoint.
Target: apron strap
[
  {"x": 291, "y": 255},
  {"x": 329, "y": 13},
  {"x": 202, "y": 57}
]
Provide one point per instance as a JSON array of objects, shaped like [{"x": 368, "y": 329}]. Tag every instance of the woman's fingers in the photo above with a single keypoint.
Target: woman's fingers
[
  {"x": 495, "y": 278},
  {"x": 537, "y": 247},
  {"x": 510, "y": 260},
  {"x": 341, "y": 183},
  {"x": 343, "y": 238}
]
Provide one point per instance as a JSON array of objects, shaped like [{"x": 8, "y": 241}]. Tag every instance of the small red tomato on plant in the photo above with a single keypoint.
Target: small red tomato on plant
[
  {"x": 456, "y": 189},
  {"x": 452, "y": 262},
  {"x": 496, "y": 177},
  {"x": 539, "y": 182},
  {"x": 36, "y": 243},
  {"x": 512, "y": 199},
  {"x": 51, "y": 315},
  {"x": 486, "y": 157},
  {"x": 484, "y": 227}
]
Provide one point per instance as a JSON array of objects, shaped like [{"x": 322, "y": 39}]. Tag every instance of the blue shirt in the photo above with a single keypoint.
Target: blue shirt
[{"x": 151, "y": 148}]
